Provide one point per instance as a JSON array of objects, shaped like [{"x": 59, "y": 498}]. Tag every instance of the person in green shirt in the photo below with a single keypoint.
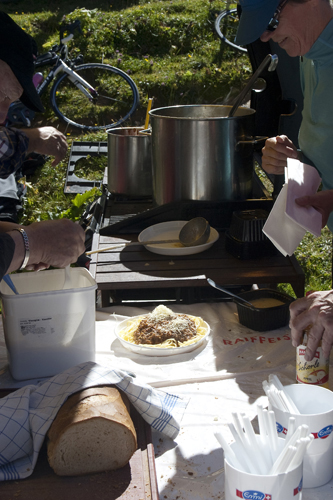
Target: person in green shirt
[{"x": 304, "y": 29}]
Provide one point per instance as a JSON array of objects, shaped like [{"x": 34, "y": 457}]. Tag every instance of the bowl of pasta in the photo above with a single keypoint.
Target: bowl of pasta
[{"x": 162, "y": 333}]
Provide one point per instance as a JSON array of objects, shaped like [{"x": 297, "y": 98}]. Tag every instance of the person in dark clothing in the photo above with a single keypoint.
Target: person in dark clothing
[{"x": 41, "y": 244}]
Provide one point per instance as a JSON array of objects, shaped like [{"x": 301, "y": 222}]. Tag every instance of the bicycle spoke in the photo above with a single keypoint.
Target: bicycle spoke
[
  {"x": 99, "y": 100},
  {"x": 117, "y": 97}
]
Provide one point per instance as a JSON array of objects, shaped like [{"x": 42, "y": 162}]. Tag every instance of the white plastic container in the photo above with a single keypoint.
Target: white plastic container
[
  {"x": 48, "y": 328},
  {"x": 241, "y": 484},
  {"x": 315, "y": 404}
]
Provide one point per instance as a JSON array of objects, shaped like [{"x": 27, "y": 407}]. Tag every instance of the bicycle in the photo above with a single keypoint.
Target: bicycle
[
  {"x": 227, "y": 22},
  {"x": 89, "y": 96}
]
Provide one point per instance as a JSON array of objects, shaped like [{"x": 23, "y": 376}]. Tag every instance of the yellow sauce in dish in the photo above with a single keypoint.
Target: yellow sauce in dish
[{"x": 266, "y": 302}]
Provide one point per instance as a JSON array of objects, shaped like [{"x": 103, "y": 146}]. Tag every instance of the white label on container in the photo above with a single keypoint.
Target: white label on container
[
  {"x": 51, "y": 330},
  {"x": 37, "y": 326}
]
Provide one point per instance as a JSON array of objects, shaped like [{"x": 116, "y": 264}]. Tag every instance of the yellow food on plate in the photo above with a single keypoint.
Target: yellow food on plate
[{"x": 164, "y": 328}]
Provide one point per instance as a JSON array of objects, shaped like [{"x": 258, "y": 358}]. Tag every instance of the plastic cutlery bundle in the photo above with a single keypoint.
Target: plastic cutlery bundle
[
  {"x": 277, "y": 396},
  {"x": 265, "y": 453}
]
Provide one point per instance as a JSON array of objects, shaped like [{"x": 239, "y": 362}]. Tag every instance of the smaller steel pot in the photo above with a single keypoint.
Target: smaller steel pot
[{"x": 129, "y": 162}]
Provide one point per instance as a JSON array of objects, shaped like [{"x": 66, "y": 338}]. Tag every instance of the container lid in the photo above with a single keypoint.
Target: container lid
[{"x": 48, "y": 281}]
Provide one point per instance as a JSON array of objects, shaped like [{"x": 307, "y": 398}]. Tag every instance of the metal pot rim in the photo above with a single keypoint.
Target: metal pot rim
[
  {"x": 123, "y": 131},
  {"x": 242, "y": 112}
]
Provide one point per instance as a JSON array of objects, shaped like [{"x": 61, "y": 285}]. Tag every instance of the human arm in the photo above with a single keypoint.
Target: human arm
[
  {"x": 47, "y": 141},
  {"x": 276, "y": 152},
  {"x": 13, "y": 150},
  {"x": 321, "y": 201},
  {"x": 56, "y": 243},
  {"x": 5, "y": 227},
  {"x": 16, "y": 144},
  {"x": 317, "y": 310}
]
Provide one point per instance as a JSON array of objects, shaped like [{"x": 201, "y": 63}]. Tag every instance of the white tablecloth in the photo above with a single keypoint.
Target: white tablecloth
[{"x": 221, "y": 377}]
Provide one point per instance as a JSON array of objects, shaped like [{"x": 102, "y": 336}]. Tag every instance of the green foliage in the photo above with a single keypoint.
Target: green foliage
[
  {"x": 314, "y": 256},
  {"x": 79, "y": 203},
  {"x": 91, "y": 167},
  {"x": 45, "y": 198},
  {"x": 169, "y": 48}
]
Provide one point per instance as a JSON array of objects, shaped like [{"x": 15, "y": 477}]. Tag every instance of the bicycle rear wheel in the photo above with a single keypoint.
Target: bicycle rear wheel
[
  {"x": 226, "y": 25},
  {"x": 117, "y": 99}
]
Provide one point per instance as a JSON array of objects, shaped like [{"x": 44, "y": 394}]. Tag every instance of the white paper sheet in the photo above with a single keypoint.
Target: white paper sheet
[
  {"x": 303, "y": 180},
  {"x": 287, "y": 222}
]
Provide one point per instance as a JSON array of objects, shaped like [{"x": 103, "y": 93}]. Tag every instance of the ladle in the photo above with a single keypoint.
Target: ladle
[
  {"x": 195, "y": 232},
  {"x": 236, "y": 297},
  {"x": 270, "y": 59}
]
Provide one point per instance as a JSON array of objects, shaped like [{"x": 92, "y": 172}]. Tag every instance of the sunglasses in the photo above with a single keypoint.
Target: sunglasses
[{"x": 274, "y": 22}]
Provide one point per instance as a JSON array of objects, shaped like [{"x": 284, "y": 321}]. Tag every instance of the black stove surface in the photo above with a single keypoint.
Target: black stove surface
[{"x": 133, "y": 216}]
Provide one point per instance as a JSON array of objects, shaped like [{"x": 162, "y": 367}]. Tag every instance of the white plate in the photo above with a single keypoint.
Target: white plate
[
  {"x": 170, "y": 230},
  {"x": 156, "y": 351}
]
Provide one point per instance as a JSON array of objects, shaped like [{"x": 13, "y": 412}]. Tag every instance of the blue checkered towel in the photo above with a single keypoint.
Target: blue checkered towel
[{"x": 26, "y": 414}]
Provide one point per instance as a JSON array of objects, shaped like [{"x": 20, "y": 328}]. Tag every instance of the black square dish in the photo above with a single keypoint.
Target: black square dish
[{"x": 264, "y": 318}]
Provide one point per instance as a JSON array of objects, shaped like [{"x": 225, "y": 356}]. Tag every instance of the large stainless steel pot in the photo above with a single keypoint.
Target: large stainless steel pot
[
  {"x": 129, "y": 162},
  {"x": 199, "y": 153}
]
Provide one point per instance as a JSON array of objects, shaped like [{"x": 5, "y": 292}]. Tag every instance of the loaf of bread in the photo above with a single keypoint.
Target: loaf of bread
[{"x": 92, "y": 432}]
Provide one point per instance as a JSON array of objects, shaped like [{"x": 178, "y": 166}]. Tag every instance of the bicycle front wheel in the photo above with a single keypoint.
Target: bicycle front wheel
[
  {"x": 113, "y": 97},
  {"x": 226, "y": 25}
]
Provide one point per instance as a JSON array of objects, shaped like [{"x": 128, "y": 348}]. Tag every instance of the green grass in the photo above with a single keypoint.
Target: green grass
[{"x": 171, "y": 51}]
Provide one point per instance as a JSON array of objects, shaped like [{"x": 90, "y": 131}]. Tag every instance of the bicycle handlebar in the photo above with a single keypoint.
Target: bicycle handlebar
[
  {"x": 67, "y": 38},
  {"x": 51, "y": 56},
  {"x": 71, "y": 28}
]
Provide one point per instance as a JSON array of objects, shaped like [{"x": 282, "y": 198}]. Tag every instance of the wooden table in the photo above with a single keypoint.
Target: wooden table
[{"x": 135, "y": 273}]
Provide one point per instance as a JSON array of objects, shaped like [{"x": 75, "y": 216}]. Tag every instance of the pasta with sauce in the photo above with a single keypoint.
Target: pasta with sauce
[{"x": 163, "y": 328}]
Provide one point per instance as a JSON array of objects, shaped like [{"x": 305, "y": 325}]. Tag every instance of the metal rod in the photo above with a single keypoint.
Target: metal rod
[{"x": 273, "y": 60}]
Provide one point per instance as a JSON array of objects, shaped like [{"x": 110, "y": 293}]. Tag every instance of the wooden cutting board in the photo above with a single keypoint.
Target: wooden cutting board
[{"x": 135, "y": 481}]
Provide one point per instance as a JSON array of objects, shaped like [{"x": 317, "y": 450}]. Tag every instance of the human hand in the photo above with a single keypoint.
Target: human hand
[
  {"x": 317, "y": 310},
  {"x": 56, "y": 243},
  {"x": 321, "y": 201},
  {"x": 47, "y": 141},
  {"x": 276, "y": 152}
]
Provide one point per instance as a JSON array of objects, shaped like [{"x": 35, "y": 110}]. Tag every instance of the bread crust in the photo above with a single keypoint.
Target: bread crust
[{"x": 98, "y": 404}]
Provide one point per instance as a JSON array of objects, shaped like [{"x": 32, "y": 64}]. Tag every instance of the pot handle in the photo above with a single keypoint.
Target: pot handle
[
  {"x": 147, "y": 131},
  {"x": 253, "y": 141}
]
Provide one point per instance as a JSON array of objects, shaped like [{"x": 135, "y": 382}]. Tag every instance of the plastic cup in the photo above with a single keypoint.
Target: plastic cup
[
  {"x": 316, "y": 406},
  {"x": 240, "y": 484}
]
